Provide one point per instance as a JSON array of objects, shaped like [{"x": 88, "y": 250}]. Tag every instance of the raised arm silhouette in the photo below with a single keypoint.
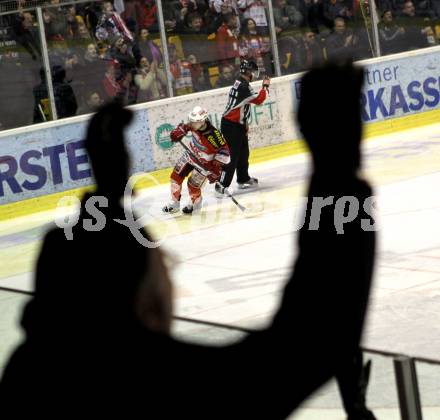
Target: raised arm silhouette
[{"x": 98, "y": 329}]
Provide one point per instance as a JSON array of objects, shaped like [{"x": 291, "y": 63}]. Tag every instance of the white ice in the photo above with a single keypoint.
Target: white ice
[{"x": 231, "y": 267}]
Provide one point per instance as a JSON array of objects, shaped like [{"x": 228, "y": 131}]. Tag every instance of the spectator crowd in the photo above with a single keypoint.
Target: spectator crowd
[{"x": 112, "y": 49}]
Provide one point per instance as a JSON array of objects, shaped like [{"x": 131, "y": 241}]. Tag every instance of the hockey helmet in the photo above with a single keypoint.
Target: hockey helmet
[
  {"x": 198, "y": 115},
  {"x": 249, "y": 66}
]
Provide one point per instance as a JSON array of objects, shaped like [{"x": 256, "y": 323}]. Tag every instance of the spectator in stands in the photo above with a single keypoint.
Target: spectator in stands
[
  {"x": 221, "y": 9},
  {"x": 111, "y": 26},
  {"x": 254, "y": 47},
  {"x": 92, "y": 13},
  {"x": 391, "y": 35},
  {"x": 315, "y": 18},
  {"x": 150, "y": 80},
  {"x": 255, "y": 10},
  {"x": 224, "y": 6},
  {"x": 91, "y": 70},
  {"x": 110, "y": 84},
  {"x": 65, "y": 100},
  {"x": 341, "y": 43},
  {"x": 128, "y": 91},
  {"x": 55, "y": 22},
  {"x": 286, "y": 16},
  {"x": 73, "y": 68},
  {"x": 60, "y": 54},
  {"x": 143, "y": 13},
  {"x": 310, "y": 52},
  {"x": 194, "y": 36},
  {"x": 418, "y": 33},
  {"x": 181, "y": 72},
  {"x": 150, "y": 20},
  {"x": 194, "y": 24},
  {"x": 83, "y": 32},
  {"x": 125, "y": 313},
  {"x": 24, "y": 34},
  {"x": 408, "y": 10},
  {"x": 92, "y": 104},
  {"x": 182, "y": 8},
  {"x": 423, "y": 8},
  {"x": 195, "y": 41},
  {"x": 364, "y": 48},
  {"x": 41, "y": 99},
  {"x": 170, "y": 21},
  {"x": 72, "y": 22},
  {"x": 227, "y": 40},
  {"x": 336, "y": 8},
  {"x": 91, "y": 53},
  {"x": 288, "y": 55},
  {"x": 226, "y": 77},
  {"x": 199, "y": 74},
  {"x": 122, "y": 53},
  {"x": 146, "y": 47}
]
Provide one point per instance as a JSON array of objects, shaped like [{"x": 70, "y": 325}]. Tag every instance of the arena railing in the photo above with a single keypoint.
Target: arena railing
[
  {"x": 38, "y": 38},
  {"x": 406, "y": 378}
]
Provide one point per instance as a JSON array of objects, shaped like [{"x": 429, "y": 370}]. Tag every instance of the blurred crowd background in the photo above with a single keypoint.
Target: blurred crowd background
[{"x": 97, "y": 50}]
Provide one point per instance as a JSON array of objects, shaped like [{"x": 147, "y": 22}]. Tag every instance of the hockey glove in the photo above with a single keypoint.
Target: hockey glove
[
  {"x": 179, "y": 132},
  {"x": 215, "y": 169}
]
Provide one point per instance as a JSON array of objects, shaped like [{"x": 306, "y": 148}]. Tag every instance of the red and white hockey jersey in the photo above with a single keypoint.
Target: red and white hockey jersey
[{"x": 205, "y": 146}]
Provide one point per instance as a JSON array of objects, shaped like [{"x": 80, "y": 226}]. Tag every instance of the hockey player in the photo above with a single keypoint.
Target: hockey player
[
  {"x": 203, "y": 158},
  {"x": 234, "y": 127}
]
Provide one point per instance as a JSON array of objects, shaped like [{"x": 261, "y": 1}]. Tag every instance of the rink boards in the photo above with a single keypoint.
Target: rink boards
[{"x": 39, "y": 164}]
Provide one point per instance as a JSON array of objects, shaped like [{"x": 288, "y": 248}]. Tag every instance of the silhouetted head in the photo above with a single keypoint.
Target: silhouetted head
[
  {"x": 105, "y": 145},
  {"x": 42, "y": 74},
  {"x": 58, "y": 73},
  {"x": 329, "y": 116}
]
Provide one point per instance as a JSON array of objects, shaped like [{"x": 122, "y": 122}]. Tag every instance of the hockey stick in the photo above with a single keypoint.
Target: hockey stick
[
  {"x": 242, "y": 208},
  {"x": 203, "y": 170}
]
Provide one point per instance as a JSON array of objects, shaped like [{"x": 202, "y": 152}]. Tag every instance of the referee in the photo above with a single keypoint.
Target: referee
[{"x": 234, "y": 127}]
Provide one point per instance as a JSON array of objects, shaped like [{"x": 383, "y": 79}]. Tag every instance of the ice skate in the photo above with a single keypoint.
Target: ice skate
[
  {"x": 172, "y": 207},
  {"x": 192, "y": 207},
  {"x": 221, "y": 191},
  {"x": 250, "y": 183}
]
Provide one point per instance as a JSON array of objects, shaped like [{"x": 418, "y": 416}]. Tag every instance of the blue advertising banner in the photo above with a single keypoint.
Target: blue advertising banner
[
  {"x": 45, "y": 161},
  {"x": 396, "y": 87}
]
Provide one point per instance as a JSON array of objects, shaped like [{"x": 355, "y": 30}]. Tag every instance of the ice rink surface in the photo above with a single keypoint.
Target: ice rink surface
[{"x": 230, "y": 266}]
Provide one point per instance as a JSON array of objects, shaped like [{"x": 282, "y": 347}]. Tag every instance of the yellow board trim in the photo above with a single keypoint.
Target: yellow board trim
[{"x": 263, "y": 154}]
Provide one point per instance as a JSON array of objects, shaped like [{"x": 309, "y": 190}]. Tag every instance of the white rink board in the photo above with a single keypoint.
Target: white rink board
[{"x": 268, "y": 123}]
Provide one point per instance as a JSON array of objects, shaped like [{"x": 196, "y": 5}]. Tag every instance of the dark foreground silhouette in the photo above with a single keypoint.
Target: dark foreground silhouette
[{"x": 97, "y": 331}]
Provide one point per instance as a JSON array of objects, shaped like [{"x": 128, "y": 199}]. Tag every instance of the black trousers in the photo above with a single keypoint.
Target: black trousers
[
  {"x": 236, "y": 136},
  {"x": 352, "y": 383}
]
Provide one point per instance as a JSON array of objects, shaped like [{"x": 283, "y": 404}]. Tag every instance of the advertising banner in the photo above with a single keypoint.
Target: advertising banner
[
  {"x": 45, "y": 161},
  {"x": 265, "y": 122},
  {"x": 396, "y": 87}
]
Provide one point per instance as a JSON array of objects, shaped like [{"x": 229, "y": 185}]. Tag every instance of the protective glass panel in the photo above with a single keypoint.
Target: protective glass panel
[
  {"x": 311, "y": 32},
  {"x": 428, "y": 377},
  {"x": 406, "y": 25},
  {"x": 24, "y": 98},
  {"x": 99, "y": 51},
  {"x": 207, "y": 40}
]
